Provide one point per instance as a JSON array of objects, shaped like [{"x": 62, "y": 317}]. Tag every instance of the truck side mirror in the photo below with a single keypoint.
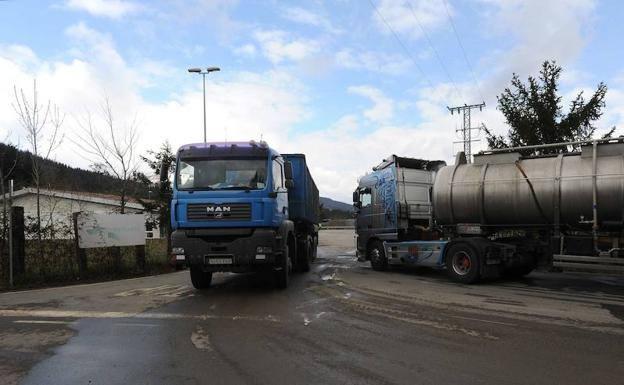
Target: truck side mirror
[
  {"x": 288, "y": 171},
  {"x": 356, "y": 197}
]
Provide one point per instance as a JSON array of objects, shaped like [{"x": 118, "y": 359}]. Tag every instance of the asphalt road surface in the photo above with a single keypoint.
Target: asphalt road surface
[{"x": 341, "y": 323}]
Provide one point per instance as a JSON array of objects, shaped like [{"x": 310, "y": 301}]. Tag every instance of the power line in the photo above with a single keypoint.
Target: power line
[
  {"x": 435, "y": 51},
  {"x": 407, "y": 51},
  {"x": 472, "y": 71}
]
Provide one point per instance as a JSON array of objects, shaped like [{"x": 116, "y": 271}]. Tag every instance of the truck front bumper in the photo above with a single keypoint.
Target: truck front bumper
[{"x": 216, "y": 250}]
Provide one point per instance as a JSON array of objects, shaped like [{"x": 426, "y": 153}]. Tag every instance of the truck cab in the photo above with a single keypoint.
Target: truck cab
[
  {"x": 230, "y": 211},
  {"x": 393, "y": 203}
]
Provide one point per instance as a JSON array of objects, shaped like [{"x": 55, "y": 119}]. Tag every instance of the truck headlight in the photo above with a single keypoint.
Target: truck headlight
[
  {"x": 177, "y": 250},
  {"x": 264, "y": 249}
]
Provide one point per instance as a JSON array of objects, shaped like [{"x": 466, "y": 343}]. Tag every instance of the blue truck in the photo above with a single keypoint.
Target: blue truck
[{"x": 243, "y": 207}]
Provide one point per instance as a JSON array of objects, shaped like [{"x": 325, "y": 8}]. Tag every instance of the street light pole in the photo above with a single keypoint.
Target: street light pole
[
  {"x": 204, "y": 81},
  {"x": 204, "y": 73}
]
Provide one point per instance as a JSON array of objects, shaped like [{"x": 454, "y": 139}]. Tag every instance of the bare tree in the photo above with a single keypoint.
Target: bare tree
[
  {"x": 111, "y": 149},
  {"x": 42, "y": 124}
]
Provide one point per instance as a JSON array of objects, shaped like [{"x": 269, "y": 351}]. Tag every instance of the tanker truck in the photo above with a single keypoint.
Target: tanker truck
[
  {"x": 243, "y": 207},
  {"x": 504, "y": 214}
]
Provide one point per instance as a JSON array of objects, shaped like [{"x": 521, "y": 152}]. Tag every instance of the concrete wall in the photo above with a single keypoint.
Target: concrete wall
[{"x": 58, "y": 210}]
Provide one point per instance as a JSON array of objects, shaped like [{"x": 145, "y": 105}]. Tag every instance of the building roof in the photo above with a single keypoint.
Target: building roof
[{"x": 103, "y": 199}]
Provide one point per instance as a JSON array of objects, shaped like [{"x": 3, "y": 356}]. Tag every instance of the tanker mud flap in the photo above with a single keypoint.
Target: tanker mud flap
[{"x": 495, "y": 254}]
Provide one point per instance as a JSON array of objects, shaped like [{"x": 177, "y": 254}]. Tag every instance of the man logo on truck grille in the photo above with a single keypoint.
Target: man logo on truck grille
[{"x": 217, "y": 211}]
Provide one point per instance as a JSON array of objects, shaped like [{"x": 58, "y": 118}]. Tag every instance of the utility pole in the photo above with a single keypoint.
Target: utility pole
[{"x": 467, "y": 128}]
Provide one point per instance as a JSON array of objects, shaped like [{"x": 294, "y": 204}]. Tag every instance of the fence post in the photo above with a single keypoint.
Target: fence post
[
  {"x": 140, "y": 257},
  {"x": 18, "y": 240},
  {"x": 81, "y": 254}
]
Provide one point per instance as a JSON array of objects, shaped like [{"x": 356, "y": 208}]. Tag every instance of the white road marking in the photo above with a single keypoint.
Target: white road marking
[
  {"x": 117, "y": 314},
  {"x": 143, "y": 325},
  {"x": 30, "y": 321}
]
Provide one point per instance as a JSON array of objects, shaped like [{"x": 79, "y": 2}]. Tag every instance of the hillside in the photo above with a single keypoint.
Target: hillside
[
  {"x": 59, "y": 176},
  {"x": 331, "y": 204}
]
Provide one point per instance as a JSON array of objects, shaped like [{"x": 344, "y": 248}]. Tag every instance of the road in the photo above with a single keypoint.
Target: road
[{"x": 340, "y": 323}]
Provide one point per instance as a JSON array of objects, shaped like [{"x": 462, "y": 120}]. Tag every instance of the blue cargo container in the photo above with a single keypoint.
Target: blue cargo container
[{"x": 303, "y": 198}]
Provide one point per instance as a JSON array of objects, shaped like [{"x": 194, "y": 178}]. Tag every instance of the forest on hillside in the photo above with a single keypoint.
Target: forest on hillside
[{"x": 17, "y": 165}]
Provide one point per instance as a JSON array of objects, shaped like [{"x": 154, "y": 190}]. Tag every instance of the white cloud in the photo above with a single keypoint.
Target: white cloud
[
  {"x": 383, "y": 107},
  {"x": 544, "y": 30},
  {"x": 539, "y": 30},
  {"x": 246, "y": 50},
  {"x": 279, "y": 46},
  {"x": 114, "y": 9},
  {"x": 409, "y": 17},
  {"x": 307, "y": 17},
  {"x": 385, "y": 63}
]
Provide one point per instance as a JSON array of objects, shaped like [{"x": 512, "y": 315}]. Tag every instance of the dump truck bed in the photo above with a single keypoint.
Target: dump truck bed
[{"x": 303, "y": 199}]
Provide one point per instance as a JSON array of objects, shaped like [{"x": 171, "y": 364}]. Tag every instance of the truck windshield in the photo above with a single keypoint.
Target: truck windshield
[{"x": 219, "y": 174}]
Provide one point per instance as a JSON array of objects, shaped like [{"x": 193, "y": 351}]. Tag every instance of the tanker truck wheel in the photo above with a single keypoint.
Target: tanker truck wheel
[
  {"x": 462, "y": 263},
  {"x": 377, "y": 256},
  {"x": 199, "y": 278}
]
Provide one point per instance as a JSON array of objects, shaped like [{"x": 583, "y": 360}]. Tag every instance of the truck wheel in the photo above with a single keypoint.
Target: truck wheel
[
  {"x": 377, "y": 256},
  {"x": 199, "y": 278},
  {"x": 462, "y": 263},
  {"x": 314, "y": 247},
  {"x": 283, "y": 273},
  {"x": 305, "y": 255}
]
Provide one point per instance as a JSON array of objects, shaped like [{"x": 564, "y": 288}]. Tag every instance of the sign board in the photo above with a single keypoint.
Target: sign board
[{"x": 107, "y": 230}]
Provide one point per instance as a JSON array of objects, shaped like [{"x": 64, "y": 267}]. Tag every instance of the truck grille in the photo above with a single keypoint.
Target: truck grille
[{"x": 221, "y": 212}]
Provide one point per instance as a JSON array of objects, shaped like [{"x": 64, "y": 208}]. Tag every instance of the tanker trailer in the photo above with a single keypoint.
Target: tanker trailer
[{"x": 506, "y": 213}]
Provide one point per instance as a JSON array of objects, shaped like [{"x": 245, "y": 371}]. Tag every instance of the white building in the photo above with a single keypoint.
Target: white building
[{"x": 56, "y": 207}]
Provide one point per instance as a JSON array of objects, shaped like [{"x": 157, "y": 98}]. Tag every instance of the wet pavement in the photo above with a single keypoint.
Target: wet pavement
[{"x": 340, "y": 323}]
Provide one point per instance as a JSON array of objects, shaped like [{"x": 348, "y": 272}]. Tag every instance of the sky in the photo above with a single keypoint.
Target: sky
[{"x": 346, "y": 82}]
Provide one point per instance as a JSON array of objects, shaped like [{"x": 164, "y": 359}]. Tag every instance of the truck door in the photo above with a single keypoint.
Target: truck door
[
  {"x": 281, "y": 201},
  {"x": 364, "y": 219}
]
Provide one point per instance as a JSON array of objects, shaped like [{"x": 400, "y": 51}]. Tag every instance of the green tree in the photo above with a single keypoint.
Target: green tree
[
  {"x": 535, "y": 115},
  {"x": 162, "y": 164}
]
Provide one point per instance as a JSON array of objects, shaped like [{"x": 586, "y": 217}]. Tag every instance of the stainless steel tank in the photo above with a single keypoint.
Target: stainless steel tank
[{"x": 506, "y": 190}]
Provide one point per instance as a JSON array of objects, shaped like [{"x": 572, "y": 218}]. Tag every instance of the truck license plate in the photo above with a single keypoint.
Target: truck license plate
[{"x": 219, "y": 261}]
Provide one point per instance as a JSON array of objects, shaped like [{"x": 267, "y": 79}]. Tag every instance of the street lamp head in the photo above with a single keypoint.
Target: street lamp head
[
  {"x": 212, "y": 69},
  {"x": 197, "y": 70}
]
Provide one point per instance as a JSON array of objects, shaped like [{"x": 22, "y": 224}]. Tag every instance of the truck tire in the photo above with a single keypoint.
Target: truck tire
[
  {"x": 282, "y": 274},
  {"x": 377, "y": 256},
  {"x": 305, "y": 255},
  {"x": 314, "y": 247},
  {"x": 199, "y": 278},
  {"x": 463, "y": 263}
]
